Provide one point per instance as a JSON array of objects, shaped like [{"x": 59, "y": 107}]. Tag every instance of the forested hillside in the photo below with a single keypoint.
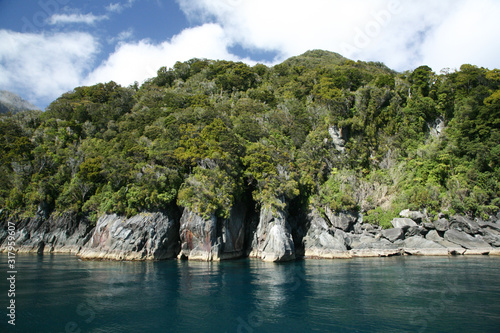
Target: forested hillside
[{"x": 317, "y": 129}]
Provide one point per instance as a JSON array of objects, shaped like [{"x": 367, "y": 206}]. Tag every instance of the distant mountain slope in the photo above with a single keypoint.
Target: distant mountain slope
[{"x": 14, "y": 103}]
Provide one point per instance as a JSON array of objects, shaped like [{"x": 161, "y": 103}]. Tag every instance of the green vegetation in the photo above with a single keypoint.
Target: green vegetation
[{"x": 204, "y": 134}]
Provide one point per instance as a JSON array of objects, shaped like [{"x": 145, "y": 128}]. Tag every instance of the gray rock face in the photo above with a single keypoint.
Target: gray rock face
[
  {"x": 357, "y": 228},
  {"x": 442, "y": 224},
  {"x": 418, "y": 245},
  {"x": 343, "y": 237},
  {"x": 414, "y": 215},
  {"x": 488, "y": 225},
  {"x": 212, "y": 239},
  {"x": 147, "y": 236},
  {"x": 403, "y": 222},
  {"x": 336, "y": 135},
  {"x": 465, "y": 224},
  {"x": 428, "y": 225},
  {"x": 321, "y": 239},
  {"x": 342, "y": 220},
  {"x": 415, "y": 231},
  {"x": 493, "y": 240},
  {"x": 393, "y": 234},
  {"x": 465, "y": 240},
  {"x": 369, "y": 228},
  {"x": 198, "y": 237},
  {"x": 491, "y": 235},
  {"x": 65, "y": 233},
  {"x": 418, "y": 242},
  {"x": 433, "y": 236},
  {"x": 268, "y": 236},
  {"x": 272, "y": 240},
  {"x": 367, "y": 241},
  {"x": 436, "y": 127},
  {"x": 233, "y": 233}
]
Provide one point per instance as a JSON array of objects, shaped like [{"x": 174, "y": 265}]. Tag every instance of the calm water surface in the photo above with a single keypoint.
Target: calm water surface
[{"x": 59, "y": 293}]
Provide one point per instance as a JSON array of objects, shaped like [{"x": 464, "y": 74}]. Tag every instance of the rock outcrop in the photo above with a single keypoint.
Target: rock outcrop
[
  {"x": 417, "y": 245},
  {"x": 213, "y": 239},
  {"x": 341, "y": 220},
  {"x": 64, "y": 233},
  {"x": 393, "y": 234},
  {"x": 322, "y": 241},
  {"x": 413, "y": 234},
  {"x": 442, "y": 224},
  {"x": 403, "y": 222},
  {"x": 337, "y": 138},
  {"x": 198, "y": 237},
  {"x": 465, "y": 240},
  {"x": 233, "y": 233},
  {"x": 416, "y": 216},
  {"x": 273, "y": 241},
  {"x": 462, "y": 223},
  {"x": 147, "y": 236}
]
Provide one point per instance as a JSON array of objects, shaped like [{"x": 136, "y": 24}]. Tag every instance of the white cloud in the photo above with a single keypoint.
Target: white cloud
[
  {"x": 403, "y": 34},
  {"x": 469, "y": 36},
  {"x": 118, "y": 7},
  {"x": 43, "y": 66},
  {"x": 75, "y": 18},
  {"x": 139, "y": 61},
  {"x": 122, "y": 36},
  {"x": 114, "y": 7}
]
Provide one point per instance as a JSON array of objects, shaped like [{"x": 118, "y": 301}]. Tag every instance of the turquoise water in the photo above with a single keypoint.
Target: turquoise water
[{"x": 59, "y": 293}]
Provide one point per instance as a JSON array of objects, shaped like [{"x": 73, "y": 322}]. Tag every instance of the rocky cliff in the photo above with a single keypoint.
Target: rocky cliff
[
  {"x": 214, "y": 238},
  {"x": 147, "y": 236},
  {"x": 65, "y": 233},
  {"x": 272, "y": 241},
  {"x": 267, "y": 234}
]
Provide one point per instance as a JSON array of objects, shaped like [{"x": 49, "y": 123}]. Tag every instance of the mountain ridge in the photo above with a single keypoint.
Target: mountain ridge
[{"x": 11, "y": 102}]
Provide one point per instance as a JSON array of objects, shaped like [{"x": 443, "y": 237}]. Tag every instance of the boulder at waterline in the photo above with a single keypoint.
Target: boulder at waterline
[
  {"x": 418, "y": 242},
  {"x": 465, "y": 240}
]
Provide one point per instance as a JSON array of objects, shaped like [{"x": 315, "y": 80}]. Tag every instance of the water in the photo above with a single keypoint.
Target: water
[{"x": 59, "y": 293}]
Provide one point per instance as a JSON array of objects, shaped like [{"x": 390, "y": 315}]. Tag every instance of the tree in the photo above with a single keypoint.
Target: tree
[{"x": 421, "y": 80}]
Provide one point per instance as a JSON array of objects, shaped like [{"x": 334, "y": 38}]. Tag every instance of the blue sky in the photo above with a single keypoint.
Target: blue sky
[{"x": 48, "y": 47}]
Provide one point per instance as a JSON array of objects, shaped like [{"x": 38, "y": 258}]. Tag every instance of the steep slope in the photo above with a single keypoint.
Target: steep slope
[
  {"x": 10, "y": 102},
  {"x": 351, "y": 141}
]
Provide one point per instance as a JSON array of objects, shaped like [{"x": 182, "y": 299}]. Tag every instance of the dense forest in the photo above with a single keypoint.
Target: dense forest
[{"x": 317, "y": 129}]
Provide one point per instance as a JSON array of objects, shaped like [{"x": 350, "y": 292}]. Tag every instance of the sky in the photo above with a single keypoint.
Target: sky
[{"x": 49, "y": 47}]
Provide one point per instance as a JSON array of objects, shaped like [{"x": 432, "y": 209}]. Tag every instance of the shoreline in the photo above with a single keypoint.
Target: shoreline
[{"x": 326, "y": 255}]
